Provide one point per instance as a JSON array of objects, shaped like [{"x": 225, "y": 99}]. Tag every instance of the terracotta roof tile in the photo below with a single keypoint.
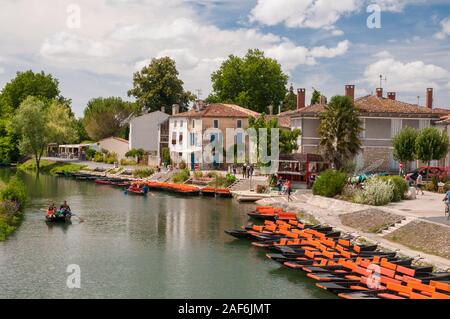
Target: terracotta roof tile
[
  {"x": 220, "y": 110},
  {"x": 371, "y": 104}
]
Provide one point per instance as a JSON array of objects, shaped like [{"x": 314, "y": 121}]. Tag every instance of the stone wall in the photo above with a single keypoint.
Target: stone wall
[{"x": 372, "y": 155}]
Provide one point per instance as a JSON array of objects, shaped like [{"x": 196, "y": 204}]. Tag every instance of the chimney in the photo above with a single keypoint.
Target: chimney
[
  {"x": 391, "y": 95},
  {"x": 175, "y": 109},
  {"x": 323, "y": 100},
  {"x": 163, "y": 109},
  {"x": 270, "y": 109},
  {"x": 350, "y": 91},
  {"x": 379, "y": 92},
  {"x": 429, "y": 98},
  {"x": 301, "y": 95}
]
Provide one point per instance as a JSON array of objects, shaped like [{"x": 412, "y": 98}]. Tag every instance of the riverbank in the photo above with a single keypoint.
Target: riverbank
[
  {"x": 12, "y": 201},
  {"x": 50, "y": 167},
  {"x": 389, "y": 226}
]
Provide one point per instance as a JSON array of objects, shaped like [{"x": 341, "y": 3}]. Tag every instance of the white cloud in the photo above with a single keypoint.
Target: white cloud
[
  {"x": 445, "y": 29},
  {"x": 290, "y": 56},
  {"x": 383, "y": 54},
  {"x": 65, "y": 44},
  {"x": 412, "y": 76},
  {"x": 302, "y": 13},
  {"x": 394, "y": 5}
]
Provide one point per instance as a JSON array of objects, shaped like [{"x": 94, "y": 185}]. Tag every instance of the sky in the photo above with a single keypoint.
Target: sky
[{"x": 93, "y": 47}]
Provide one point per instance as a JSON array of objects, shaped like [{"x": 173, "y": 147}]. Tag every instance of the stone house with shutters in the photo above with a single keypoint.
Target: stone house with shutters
[
  {"x": 382, "y": 118},
  {"x": 187, "y": 132}
]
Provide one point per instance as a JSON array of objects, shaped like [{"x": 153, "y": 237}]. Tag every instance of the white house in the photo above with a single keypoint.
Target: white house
[{"x": 150, "y": 132}]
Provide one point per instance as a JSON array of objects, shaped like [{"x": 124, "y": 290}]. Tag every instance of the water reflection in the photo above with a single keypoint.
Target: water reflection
[{"x": 162, "y": 246}]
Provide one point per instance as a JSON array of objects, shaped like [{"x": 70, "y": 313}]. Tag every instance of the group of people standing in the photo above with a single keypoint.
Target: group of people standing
[
  {"x": 284, "y": 187},
  {"x": 247, "y": 170},
  {"x": 416, "y": 182}
]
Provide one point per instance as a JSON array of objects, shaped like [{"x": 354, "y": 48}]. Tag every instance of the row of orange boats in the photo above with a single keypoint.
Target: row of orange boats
[
  {"x": 186, "y": 189},
  {"x": 342, "y": 265}
]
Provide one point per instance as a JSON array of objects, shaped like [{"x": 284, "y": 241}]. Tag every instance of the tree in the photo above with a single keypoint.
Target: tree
[
  {"x": 158, "y": 85},
  {"x": 40, "y": 85},
  {"x": 83, "y": 136},
  {"x": 38, "y": 126},
  {"x": 105, "y": 117},
  {"x": 290, "y": 100},
  {"x": 431, "y": 144},
  {"x": 9, "y": 152},
  {"x": 315, "y": 98},
  {"x": 287, "y": 138},
  {"x": 405, "y": 145},
  {"x": 339, "y": 131},
  {"x": 253, "y": 81}
]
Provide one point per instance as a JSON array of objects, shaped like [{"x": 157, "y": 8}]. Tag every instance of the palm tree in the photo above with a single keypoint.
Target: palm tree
[{"x": 339, "y": 131}]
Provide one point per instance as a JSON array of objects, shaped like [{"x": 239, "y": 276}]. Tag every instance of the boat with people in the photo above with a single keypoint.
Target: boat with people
[
  {"x": 344, "y": 265},
  {"x": 137, "y": 189},
  {"x": 61, "y": 215}
]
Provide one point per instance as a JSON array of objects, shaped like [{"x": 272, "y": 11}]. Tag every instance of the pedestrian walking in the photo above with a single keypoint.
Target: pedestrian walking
[
  {"x": 288, "y": 190},
  {"x": 419, "y": 183},
  {"x": 234, "y": 169},
  {"x": 244, "y": 171}
]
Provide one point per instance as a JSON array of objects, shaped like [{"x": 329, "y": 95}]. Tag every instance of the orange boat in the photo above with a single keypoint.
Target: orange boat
[{"x": 212, "y": 191}]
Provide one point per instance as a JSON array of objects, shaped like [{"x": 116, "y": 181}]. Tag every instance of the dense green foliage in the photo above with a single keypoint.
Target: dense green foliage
[
  {"x": 221, "y": 181},
  {"x": 158, "y": 85},
  {"x": 400, "y": 187},
  {"x": 330, "y": 183},
  {"x": 181, "y": 176},
  {"x": 138, "y": 153},
  {"x": 12, "y": 200},
  {"x": 315, "y": 98},
  {"x": 165, "y": 156},
  {"x": 25, "y": 84},
  {"x": 431, "y": 144},
  {"x": 40, "y": 85},
  {"x": 105, "y": 117},
  {"x": 38, "y": 125},
  {"x": 143, "y": 172},
  {"x": 290, "y": 100},
  {"x": 405, "y": 145},
  {"x": 50, "y": 166},
  {"x": 287, "y": 138},
  {"x": 254, "y": 81},
  {"x": 339, "y": 131}
]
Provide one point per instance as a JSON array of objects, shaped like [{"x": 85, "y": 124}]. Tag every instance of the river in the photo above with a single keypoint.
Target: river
[{"x": 161, "y": 246}]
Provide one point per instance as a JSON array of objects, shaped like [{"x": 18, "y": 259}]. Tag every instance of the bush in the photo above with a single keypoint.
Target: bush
[
  {"x": 14, "y": 191},
  {"x": 127, "y": 162},
  {"x": 211, "y": 174},
  {"x": 90, "y": 154},
  {"x": 182, "y": 165},
  {"x": 99, "y": 157},
  {"x": 143, "y": 173},
  {"x": 330, "y": 183},
  {"x": 230, "y": 179},
  {"x": 198, "y": 174},
  {"x": 139, "y": 153},
  {"x": 376, "y": 192},
  {"x": 165, "y": 156},
  {"x": 400, "y": 187},
  {"x": 181, "y": 176},
  {"x": 111, "y": 158}
]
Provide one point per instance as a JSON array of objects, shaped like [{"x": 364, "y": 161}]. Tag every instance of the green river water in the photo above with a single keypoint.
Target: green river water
[{"x": 161, "y": 246}]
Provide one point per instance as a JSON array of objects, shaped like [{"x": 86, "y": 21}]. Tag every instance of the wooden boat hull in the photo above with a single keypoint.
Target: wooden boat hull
[{"x": 59, "y": 219}]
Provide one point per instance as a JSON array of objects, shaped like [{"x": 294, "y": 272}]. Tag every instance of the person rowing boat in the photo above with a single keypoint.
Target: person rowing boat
[{"x": 65, "y": 209}]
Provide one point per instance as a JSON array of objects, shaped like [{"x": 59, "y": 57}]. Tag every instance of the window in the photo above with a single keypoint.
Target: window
[
  {"x": 181, "y": 123},
  {"x": 192, "y": 139},
  {"x": 174, "y": 138},
  {"x": 239, "y": 139},
  {"x": 193, "y": 123},
  {"x": 216, "y": 123},
  {"x": 180, "y": 138},
  {"x": 239, "y": 123}
]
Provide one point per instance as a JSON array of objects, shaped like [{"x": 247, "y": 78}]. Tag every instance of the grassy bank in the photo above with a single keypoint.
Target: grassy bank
[
  {"x": 50, "y": 167},
  {"x": 12, "y": 201}
]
